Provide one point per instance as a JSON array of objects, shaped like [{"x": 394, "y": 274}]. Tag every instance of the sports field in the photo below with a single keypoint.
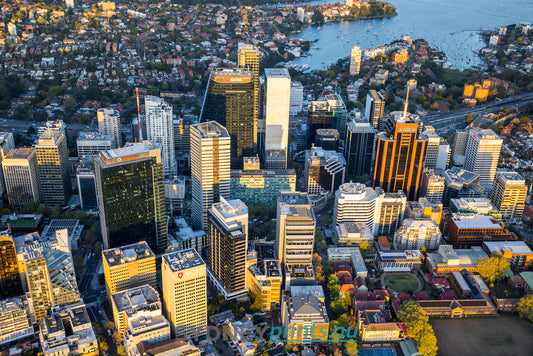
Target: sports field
[
  {"x": 499, "y": 336},
  {"x": 402, "y": 283}
]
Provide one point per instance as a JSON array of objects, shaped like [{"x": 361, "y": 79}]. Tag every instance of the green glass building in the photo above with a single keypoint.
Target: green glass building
[
  {"x": 131, "y": 196},
  {"x": 261, "y": 186}
]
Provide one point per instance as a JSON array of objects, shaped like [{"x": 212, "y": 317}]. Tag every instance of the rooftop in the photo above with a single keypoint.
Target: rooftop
[
  {"x": 184, "y": 259},
  {"x": 517, "y": 247},
  {"x": 277, "y": 73},
  {"x": 511, "y": 177},
  {"x": 94, "y": 136},
  {"x": 135, "y": 299},
  {"x": 475, "y": 221},
  {"x": 128, "y": 253},
  {"x": 20, "y": 153},
  {"x": 210, "y": 129},
  {"x": 294, "y": 198},
  {"x": 130, "y": 152}
]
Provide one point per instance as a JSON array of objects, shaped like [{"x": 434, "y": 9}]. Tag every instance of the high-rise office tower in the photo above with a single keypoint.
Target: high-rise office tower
[
  {"x": 433, "y": 185},
  {"x": 53, "y": 167},
  {"x": 10, "y": 285},
  {"x": 359, "y": 148},
  {"x": 91, "y": 143},
  {"x": 438, "y": 150},
  {"x": 131, "y": 196},
  {"x": 482, "y": 154},
  {"x": 229, "y": 100},
  {"x": 400, "y": 157},
  {"x": 390, "y": 212},
  {"x": 109, "y": 124},
  {"x": 7, "y": 143},
  {"x": 297, "y": 98},
  {"x": 248, "y": 59},
  {"x": 329, "y": 113},
  {"x": 278, "y": 88},
  {"x": 210, "y": 168},
  {"x": 128, "y": 267},
  {"x": 185, "y": 293},
  {"x": 227, "y": 236},
  {"x": 356, "y": 202},
  {"x": 86, "y": 183},
  {"x": 50, "y": 274},
  {"x": 324, "y": 170},
  {"x": 374, "y": 109},
  {"x": 21, "y": 176},
  {"x": 295, "y": 229},
  {"x": 355, "y": 60},
  {"x": 459, "y": 143},
  {"x": 508, "y": 194},
  {"x": 160, "y": 129}
]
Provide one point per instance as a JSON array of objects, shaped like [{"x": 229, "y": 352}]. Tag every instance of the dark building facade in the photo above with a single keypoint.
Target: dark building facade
[
  {"x": 359, "y": 148},
  {"x": 328, "y": 139},
  {"x": 131, "y": 196},
  {"x": 10, "y": 285},
  {"x": 229, "y": 100},
  {"x": 326, "y": 114},
  {"x": 400, "y": 158}
]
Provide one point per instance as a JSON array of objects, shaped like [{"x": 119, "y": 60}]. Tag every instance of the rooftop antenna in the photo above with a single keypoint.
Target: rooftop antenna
[
  {"x": 139, "y": 115},
  {"x": 410, "y": 84}
]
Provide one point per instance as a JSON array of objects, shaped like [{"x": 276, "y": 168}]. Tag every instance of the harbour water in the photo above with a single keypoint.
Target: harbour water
[{"x": 452, "y": 26}]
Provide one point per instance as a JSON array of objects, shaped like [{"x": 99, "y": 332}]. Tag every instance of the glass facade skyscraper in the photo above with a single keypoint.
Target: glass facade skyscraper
[
  {"x": 359, "y": 148},
  {"x": 10, "y": 285},
  {"x": 329, "y": 113},
  {"x": 229, "y": 100},
  {"x": 131, "y": 196}
]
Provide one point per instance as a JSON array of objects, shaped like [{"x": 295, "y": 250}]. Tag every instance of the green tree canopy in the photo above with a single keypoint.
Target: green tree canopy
[
  {"x": 351, "y": 348},
  {"x": 418, "y": 327},
  {"x": 258, "y": 301},
  {"x": 525, "y": 307},
  {"x": 493, "y": 268}
]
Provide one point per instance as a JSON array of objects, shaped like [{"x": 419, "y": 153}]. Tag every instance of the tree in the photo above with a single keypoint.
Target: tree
[
  {"x": 351, "y": 348},
  {"x": 525, "y": 307},
  {"x": 427, "y": 342},
  {"x": 469, "y": 118},
  {"x": 258, "y": 301},
  {"x": 493, "y": 268},
  {"x": 103, "y": 346},
  {"x": 317, "y": 17},
  {"x": 110, "y": 325},
  {"x": 121, "y": 351},
  {"x": 365, "y": 248},
  {"x": 418, "y": 327}
]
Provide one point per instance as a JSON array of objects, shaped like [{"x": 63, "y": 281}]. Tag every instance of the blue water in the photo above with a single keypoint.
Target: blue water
[{"x": 451, "y": 26}]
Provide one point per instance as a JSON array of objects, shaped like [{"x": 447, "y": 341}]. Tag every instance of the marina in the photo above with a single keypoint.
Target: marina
[{"x": 446, "y": 25}]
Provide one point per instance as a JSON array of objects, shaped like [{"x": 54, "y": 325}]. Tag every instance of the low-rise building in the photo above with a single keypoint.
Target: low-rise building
[
  {"x": 353, "y": 234},
  {"x": 458, "y": 308},
  {"x": 398, "y": 261},
  {"x": 373, "y": 327},
  {"x": 474, "y": 229},
  {"x": 68, "y": 331},
  {"x": 168, "y": 348},
  {"x": 447, "y": 259},
  {"x": 15, "y": 322},
  {"x": 517, "y": 253},
  {"x": 305, "y": 318}
]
